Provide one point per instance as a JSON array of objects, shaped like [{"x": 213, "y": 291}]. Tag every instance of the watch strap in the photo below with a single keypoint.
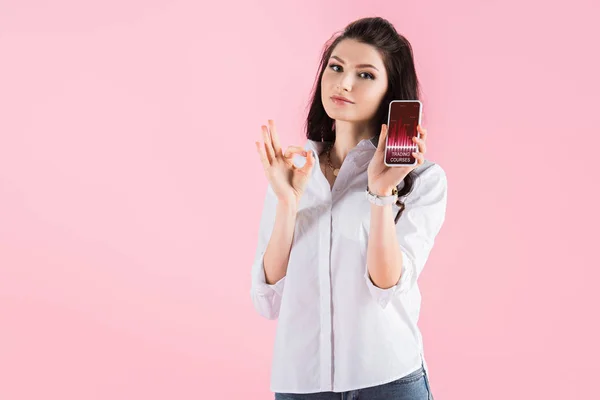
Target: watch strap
[{"x": 382, "y": 200}]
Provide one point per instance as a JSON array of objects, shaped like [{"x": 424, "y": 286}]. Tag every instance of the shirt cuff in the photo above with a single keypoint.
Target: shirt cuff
[
  {"x": 383, "y": 296},
  {"x": 260, "y": 282}
]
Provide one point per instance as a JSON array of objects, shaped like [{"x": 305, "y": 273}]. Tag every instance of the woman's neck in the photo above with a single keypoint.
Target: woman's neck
[{"x": 347, "y": 136}]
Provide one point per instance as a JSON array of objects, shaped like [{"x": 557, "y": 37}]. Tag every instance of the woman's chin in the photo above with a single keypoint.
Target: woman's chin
[{"x": 340, "y": 115}]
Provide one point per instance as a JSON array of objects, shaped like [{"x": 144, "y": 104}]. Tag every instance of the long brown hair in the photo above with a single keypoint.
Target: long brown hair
[{"x": 403, "y": 84}]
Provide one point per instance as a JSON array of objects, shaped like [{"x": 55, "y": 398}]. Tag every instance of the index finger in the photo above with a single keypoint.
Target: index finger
[
  {"x": 422, "y": 131},
  {"x": 291, "y": 150}
]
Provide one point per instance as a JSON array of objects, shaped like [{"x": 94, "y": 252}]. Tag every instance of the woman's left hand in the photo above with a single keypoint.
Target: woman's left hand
[{"x": 382, "y": 179}]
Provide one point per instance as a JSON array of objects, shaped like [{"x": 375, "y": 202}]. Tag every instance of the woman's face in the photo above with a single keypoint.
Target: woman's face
[{"x": 348, "y": 75}]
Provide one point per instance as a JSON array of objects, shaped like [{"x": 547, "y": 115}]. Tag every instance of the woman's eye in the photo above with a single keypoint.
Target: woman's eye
[{"x": 369, "y": 76}]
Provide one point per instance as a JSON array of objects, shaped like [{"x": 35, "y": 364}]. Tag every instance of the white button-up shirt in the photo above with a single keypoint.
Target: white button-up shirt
[{"x": 336, "y": 330}]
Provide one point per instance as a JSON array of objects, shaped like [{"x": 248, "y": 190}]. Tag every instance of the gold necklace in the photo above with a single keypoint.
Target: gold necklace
[{"x": 336, "y": 171}]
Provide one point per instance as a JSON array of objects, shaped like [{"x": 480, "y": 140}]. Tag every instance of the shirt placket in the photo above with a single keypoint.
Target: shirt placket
[{"x": 325, "y": 292}]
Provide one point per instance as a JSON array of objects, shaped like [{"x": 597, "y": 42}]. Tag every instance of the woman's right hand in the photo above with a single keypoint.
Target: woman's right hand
[{"x": 287, "y": 180}]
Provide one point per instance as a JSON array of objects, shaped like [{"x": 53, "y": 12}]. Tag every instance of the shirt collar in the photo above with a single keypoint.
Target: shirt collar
[{"x": 365, "y": 145}]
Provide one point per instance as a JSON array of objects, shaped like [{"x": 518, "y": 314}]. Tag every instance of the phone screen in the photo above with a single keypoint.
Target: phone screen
[{"x": 403, "y": 118}]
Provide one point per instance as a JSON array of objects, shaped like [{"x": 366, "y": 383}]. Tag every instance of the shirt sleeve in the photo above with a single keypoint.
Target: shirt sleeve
[
  {"x": 266, "y": 298},
  {"x": 419, "y": 224}
]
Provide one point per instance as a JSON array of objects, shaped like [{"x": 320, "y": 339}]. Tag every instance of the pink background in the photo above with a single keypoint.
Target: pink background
[{"x": 126, "y": 237}]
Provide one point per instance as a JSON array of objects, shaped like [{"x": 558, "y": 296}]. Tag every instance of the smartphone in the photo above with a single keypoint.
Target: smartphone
[{"x": 403, "y": 118}]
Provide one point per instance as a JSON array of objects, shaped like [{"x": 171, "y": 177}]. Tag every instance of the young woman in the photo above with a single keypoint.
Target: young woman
[{"x": 338, "y": 271}]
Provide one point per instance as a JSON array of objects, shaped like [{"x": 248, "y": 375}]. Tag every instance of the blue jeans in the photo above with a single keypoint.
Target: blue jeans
[{"x": 414, "y": 386}]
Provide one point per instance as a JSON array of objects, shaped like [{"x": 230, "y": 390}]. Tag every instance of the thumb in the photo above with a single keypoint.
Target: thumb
[
  {"x": 310, "y": 162},
  {"x": 382, "y": 138}
]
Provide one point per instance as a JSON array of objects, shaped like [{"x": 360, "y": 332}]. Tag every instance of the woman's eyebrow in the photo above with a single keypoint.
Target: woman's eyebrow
[{"x": 358, "y": 66}]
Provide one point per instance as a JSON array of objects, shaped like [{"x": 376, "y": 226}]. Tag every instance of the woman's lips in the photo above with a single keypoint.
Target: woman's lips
[{"x": 340, "y": 102}]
